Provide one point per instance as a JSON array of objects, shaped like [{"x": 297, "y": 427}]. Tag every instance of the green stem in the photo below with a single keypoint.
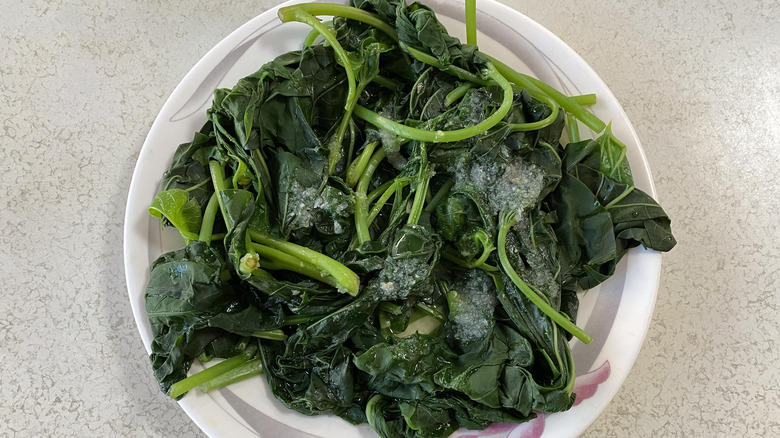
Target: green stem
[
  {"x": 244, "y": 371},
  {"x": 421, "y": 191},
  {"x": 279, "y": 260},
  {"x": 567, "y": 103},
  {"x": 533, "y": 126},
  {"x": 385, "y": 82},
  {"x": 347, "y": 280},
  {"x": 345, "y": 11},
  {"x": 217, "y": 171},
  {"x": 471, "y": 22},
  {"x": 458, "y": 72},
  {"x": 440, "y": 195},
  {"x": 274, "y": 335},
  {"x": 459, "y": 91},
  {"x": 425, "y": 135},
  {"x": 574, "y": 129},
  {"x": 209, "y": 215},
  {"x": 419, "y": 198},
  {"x": 314, "y": 33},
  {"x": 182, "y": 386},
  {"x": 197, "y": 186},
  {"x": 352, "y": 137},
  {"x": 361, "y": 201},
  {"x": 396, "y": 186},
  {"x": 570, "y": 105},
  {"x": 585, "y": 99},
  {"x": 619, "y": 198},
  {"x": 506, "y": 220},
  {"x": 377, "y": 192},
  {"x": 358, "y": 166},
  {"x": 299, "y": 13}
]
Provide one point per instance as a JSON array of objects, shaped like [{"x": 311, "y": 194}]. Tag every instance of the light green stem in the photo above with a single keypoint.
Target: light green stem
[
  {"x": 585, "y": 99},
  {"x": 358, "y": 166},
  {"x": 471, "y": 22},
  {"x": 574, "y": 129},
  {"x": 347, "y": 280},
  {"x": 314, "y": 33},
  {"x": 429, "y": 136},
  {"x": 209, "y": 215},
  {"x": 278, "y": 260},
  {"x": 506, "y": 222},
  {"x": 395, "y": 187},
  {"x": 244, "y": 371},
  {"x": 361, "y": 199},
  {"x": 459, "y": 91},
  {"x": 567, "y": 103},
  {"x": 182, "y": 386}
]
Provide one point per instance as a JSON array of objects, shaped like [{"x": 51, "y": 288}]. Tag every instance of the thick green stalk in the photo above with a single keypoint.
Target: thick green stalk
[
  {"x": 182, "y": 386},
  {"x": 471, "y": 22},
  {"x": 585, "y": 99},
  {"x": 347, "y": 281},
  {"x": 574, "y": 129},
  {"x": 209, "y": 215},
  {"x": 279, "y": 260},
  {"x": 244, "y": 371}
]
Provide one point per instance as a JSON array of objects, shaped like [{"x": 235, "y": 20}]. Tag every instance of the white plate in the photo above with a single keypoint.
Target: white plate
[{"x": 617, "y": 313}]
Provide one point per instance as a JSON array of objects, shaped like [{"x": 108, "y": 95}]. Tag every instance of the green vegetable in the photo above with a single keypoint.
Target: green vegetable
[{"x": 386, "y": 226}]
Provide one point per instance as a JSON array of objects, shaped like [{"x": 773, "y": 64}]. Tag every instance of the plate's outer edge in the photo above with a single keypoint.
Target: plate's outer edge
[{"x": 635, "y": 300}]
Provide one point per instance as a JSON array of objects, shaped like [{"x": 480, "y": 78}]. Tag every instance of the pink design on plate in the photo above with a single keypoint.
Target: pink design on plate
[{"x": 586, "y": 385}]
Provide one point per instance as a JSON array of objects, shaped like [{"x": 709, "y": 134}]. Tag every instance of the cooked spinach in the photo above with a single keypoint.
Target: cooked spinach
[{"x": 387, "y": 225}]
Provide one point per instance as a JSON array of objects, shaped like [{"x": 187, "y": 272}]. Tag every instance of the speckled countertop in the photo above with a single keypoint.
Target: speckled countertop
[{"x": 82, "y": 81}]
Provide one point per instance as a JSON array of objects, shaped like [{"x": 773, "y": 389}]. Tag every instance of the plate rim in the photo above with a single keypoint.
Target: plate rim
[{"x": 131, "y": 252}]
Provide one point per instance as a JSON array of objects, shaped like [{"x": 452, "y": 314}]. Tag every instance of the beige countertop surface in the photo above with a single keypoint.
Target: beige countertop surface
[{"x": 82, "y": 81}]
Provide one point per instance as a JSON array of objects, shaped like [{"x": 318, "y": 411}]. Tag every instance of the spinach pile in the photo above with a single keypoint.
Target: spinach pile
[{"x": 386, "y": 225}]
